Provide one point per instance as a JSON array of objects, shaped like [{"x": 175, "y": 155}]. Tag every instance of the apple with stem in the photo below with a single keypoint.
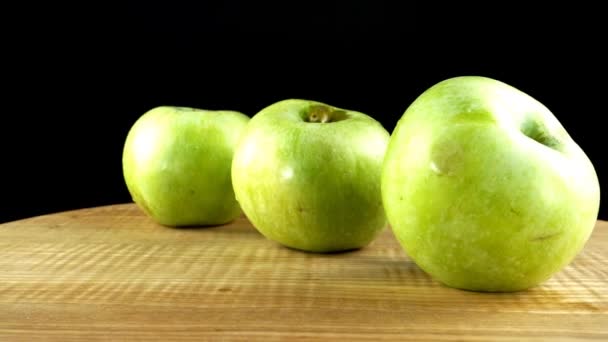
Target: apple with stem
[
  {"x": 176, "y": 165},
  {"x": 307, "y": 175},
  {"x": 485, "y": 189}
]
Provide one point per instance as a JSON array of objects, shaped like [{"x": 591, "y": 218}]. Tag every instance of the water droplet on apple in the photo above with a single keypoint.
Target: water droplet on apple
[
  {"x": 435, "y": 168},
  {"x": 446, "y": 158},
  {"x": 287, "y": 173}
]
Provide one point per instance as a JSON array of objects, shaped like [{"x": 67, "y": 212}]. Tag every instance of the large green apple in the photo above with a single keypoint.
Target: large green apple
[
  {"x": 176, "y": 165},
  {"x": 307, "y": 175},
  {"x": 484, "y": 188}
]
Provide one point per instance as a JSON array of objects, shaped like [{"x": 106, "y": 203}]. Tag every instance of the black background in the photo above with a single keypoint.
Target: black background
[{"x": 76, "y": 78}]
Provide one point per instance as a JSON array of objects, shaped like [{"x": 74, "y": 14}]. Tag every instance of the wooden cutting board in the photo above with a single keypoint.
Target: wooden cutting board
[{"x": 110, "y": 273}]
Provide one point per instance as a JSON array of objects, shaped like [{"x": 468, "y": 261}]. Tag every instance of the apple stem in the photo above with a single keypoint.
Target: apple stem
[{"x": 324, "y": 114}]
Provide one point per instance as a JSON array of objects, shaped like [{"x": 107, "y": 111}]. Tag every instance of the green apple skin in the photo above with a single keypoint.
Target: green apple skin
[
  {"x": 176, "y": 165},
  {"x": 307, "y": 175},
  {"x": 484, "y": 188}
]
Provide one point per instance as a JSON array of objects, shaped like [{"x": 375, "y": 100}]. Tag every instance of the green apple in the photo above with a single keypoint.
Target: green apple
[
  {"x": 484, "y": 188},
  {"x": 307, "y": 175},
  {"x": 176, "y": 165}
]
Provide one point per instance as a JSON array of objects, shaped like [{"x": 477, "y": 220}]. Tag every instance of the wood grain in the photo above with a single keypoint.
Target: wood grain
[{"x": 110, "y": 273}]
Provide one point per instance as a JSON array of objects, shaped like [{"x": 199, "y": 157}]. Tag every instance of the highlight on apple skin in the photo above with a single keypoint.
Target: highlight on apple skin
[
  {"x": 307, "y": 175},
  {"x": 176, "y": 165},
  {"x": 484, "y": 188}
]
